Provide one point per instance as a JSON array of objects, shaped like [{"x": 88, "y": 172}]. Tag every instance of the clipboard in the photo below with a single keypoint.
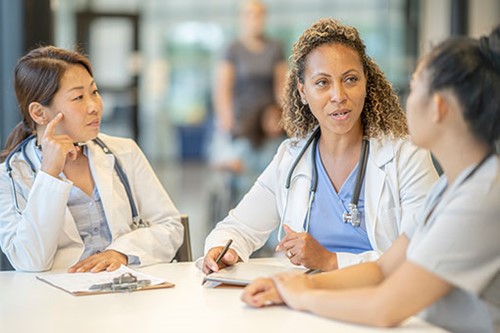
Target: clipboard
[
  {"x": 242, "y": 273},
  {"x": 122, "y": 280}
]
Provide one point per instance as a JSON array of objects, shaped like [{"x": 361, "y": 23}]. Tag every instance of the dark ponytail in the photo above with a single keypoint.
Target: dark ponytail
[
  {"x": 36, "y": 79},
  {"x": 18, "y": 134},
  {"x": 471, "y": 69},
  {"x": 490, "y": 49}
]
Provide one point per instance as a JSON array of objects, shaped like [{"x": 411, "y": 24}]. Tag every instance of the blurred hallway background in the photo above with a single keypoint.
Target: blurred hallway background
[{"x": 155, "y": 60}]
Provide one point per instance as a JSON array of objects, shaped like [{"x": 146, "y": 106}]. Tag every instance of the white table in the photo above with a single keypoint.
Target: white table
[{"x": 30, "y": 305}]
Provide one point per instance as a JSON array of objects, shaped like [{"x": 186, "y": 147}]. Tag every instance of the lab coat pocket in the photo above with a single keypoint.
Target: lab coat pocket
[{"x": 387, "y": 229}]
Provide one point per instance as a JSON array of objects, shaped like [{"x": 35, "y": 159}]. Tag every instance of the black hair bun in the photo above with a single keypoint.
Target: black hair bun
[{"x": 490, "y": 48}]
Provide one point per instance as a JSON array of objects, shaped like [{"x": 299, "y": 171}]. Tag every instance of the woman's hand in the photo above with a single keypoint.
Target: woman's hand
[
  {"x": 291, "y": 286},
  {"x": 261, "y": 292},
  {"x": 229, "y": 259},
  {"x": 108, "y": 260},
  {"x": 302, "y": 249},
  {"x": 56, "y": 149}
]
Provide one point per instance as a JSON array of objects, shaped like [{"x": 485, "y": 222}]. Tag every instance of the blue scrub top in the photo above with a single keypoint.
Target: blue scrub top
[{"x": 326, "y": 224}]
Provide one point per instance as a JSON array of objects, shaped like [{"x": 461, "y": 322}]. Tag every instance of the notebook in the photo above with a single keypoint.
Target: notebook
[{"x": 243, "y": 273}]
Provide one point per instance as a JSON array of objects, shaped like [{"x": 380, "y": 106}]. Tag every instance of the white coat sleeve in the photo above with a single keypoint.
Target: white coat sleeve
[
  {"x": 416, "y": 176},
  {"x": 251, "y": 222},
  {"x": 30, "y": 240},
  {"x": 161, "y": 240}
]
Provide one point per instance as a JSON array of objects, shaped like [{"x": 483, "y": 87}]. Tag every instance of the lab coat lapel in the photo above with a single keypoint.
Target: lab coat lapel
[
  {"x": 299, "y": 192},
  {"x": 102, "y": 168},
  {"x": 380, "y": 154}
]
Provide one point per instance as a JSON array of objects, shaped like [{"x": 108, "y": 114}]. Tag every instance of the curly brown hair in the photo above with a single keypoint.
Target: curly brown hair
[{"x": 382, "y": 113}]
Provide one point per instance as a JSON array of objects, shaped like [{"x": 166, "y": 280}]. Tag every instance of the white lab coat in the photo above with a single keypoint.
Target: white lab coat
[
  {"x": 398, "y": 177},
  {"x": 45, "y": 236}
]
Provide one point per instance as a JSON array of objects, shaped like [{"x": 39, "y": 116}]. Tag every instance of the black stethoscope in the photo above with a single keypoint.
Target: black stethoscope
[
  {"x": 137, "y": 222},
  {"x": 351, "y": 216}
]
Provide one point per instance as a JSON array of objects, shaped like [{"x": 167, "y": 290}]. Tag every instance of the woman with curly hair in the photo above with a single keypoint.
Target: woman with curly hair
[
  {"x": 341, "y": 189},
  {"x": 446, "y": 267}
]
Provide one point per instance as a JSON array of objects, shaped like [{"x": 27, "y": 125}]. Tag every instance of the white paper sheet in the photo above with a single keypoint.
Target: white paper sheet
[{"x": 81, "y": 282}]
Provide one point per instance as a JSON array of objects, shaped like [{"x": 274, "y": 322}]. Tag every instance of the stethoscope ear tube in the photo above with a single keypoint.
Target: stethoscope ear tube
[
  {"x": 21, "y": 147},
  {"x": 313, "y": 136},
  {"x": 353, "y": 216},
  {"x": 14, "y": 192},
  {"x": 137, "y": 222}
]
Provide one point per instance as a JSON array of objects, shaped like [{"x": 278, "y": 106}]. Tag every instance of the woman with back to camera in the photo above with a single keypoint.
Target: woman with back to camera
[
  {"x": 71, "y": 197},
  {"x": 346, "y": 183},
  {"x": 448, "y": 265}
]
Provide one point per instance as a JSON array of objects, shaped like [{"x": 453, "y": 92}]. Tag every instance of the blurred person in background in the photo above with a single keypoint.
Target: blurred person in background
[
  {"x": 251, "y": 73},
  {"x": 248, "y": 157},
  {"x": 249, "y": 77},
  {"x": 262, "y": 133}
]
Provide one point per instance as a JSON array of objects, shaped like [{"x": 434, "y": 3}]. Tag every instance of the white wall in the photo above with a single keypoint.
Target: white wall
[
  {"x": 436, "y": 20},
  {"x": 483, "y": 16},
  {"x": 435, "y": 23}
]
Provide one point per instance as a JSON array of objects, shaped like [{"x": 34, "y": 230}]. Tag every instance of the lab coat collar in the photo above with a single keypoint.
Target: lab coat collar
[
  {"x": 69, "y": 226},
  {"x": 381, "y": 151},
  {"x": 304, "y": 167},
  {"x": 298, "y": 199},
  {"x": 102, "y": 168}
]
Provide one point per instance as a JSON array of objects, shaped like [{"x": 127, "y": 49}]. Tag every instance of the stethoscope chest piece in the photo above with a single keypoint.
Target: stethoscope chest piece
[
  {"x": 138, "y": 223},
  {"x": 352, "y": 216}
]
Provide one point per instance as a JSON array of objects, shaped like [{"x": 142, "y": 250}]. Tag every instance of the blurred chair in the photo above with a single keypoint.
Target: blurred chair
[
  {"x": 184, "y": 252},
  {"x": 5, "y": 263}
]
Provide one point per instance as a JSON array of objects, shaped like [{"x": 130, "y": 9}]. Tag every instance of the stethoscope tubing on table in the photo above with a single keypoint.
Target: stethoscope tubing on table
[
  {"x": 352, "y": 216},
  {"x": 137, "y": 222}
]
